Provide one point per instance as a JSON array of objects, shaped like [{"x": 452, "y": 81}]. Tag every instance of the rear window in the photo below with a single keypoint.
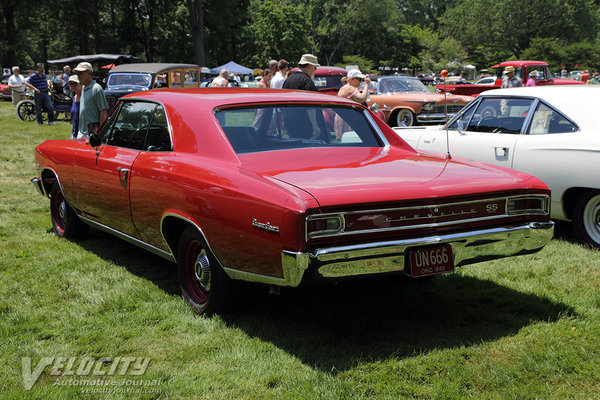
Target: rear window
[{"x": 252, "y": 130}]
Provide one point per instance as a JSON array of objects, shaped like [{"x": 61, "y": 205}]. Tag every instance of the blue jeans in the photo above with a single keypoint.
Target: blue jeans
[{"x": 43, "y": 100}]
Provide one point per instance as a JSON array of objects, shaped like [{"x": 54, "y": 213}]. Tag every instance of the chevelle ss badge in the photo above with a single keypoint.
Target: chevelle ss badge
[{"x": 266, "y": 226}]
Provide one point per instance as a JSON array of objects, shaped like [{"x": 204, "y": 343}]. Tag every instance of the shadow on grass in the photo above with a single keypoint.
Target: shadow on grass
[
  {"x": 333, "y": 327},
  {"x": 136, "y": 260},
  {"x": 563, "y": 230}
]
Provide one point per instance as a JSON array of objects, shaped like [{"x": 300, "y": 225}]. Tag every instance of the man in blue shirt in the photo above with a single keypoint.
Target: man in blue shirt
[
  {"x": 93, "y": 107},
  {"x": 40, "y": 83}
]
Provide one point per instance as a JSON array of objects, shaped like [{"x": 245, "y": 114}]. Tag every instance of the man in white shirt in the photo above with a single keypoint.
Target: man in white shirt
[
  {"x": 17, "y": 84},
  {"x": 279, "y": 78},
  {"x": 221, "y": 80}
]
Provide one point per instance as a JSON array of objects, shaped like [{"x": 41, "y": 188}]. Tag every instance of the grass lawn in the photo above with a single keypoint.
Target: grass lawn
[{"x": 518, "y": 328}]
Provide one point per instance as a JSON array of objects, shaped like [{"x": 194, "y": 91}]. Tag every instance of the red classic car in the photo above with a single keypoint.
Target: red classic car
[
  {"x": 522, "y": 70},
  {"x": 256, "y": 185},
  {"x": 328, "y": 79}
]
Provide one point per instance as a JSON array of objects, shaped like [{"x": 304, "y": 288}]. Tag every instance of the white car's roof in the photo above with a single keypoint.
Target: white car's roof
[{"x": 578, "y": 102}]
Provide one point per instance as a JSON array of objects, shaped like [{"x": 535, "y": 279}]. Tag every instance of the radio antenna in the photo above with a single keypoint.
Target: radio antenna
[{"x": 444, "y": 74}]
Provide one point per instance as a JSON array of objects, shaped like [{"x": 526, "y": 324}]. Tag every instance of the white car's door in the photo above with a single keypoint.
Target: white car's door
[{"x": 486, "y": 131}]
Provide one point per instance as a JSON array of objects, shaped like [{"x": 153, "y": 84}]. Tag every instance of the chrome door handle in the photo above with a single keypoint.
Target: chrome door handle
[
  {"x": 123, "y": 173},
  {"x": 501, "y": 151}
]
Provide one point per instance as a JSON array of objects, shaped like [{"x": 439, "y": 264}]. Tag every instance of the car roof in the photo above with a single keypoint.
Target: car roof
[
  {"x": 154, "y": 68},
  {"x": 519, "y": 63},
  {"x": 578, "y": 102},
  {"x": 214, "y": 97}
]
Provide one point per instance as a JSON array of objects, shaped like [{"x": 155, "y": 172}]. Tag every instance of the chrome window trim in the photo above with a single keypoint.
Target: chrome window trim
[{"x": 506, "y": 214}]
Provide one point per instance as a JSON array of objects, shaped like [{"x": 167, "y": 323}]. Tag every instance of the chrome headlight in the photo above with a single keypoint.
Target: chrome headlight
[
  {"x": 428, "y": 106},
  {"x": 319, "y": 225}
]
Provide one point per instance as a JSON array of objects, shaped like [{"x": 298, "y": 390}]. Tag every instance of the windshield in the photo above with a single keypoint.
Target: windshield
[
  {"x": 257, "y": 129},
  {"x": 128, "y": 79},
  {"x": 401, "y": 85}
]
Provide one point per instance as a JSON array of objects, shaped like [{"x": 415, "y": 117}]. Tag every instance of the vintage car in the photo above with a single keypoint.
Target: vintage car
[
  {"x": 522, "y": 70},
  {"x": 550, "y": 132},
  {"x": 130, "y": 78},
  {"x": 328, "y": 79},
  {"x": 5, "y": 90},
  {"x": 253, "y": 184},
  {"x": 405, "y": 101}
]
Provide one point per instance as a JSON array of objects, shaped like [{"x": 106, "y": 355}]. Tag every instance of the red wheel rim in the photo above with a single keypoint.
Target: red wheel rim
[
  {"x": 59, "y": 209},
  {"x": 197, "y": 272}
]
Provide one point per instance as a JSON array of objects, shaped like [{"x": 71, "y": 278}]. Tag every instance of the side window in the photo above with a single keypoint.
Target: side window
[
  {"x": 190, "y": 78},
  {"x": 158, "y": 138},
  {"x": 131, "y": 125},
  {"x": 106, "y": 128},
  {"x": 500, "y": 115},
  {"x": 175, "y": 79},
  {"x": 546, "y": 120},
  {"x": 160, "y": 80},
  {"x": 463, "y": 121}
]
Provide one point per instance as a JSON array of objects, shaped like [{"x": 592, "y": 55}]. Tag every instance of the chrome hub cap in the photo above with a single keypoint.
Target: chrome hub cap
[
  {"x": 202, "y": 270},
  {"x": 591, "y": 218},
  {"x": 62, "y": 209}
]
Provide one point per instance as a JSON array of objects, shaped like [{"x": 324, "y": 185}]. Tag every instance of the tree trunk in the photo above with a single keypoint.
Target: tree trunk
[
  {"x": 197, "y": 30},
  {"x": 11, "y": 40}
]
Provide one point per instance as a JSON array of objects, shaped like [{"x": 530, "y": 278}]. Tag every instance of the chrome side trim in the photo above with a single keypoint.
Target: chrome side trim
[
  {"x": 389, "y": 256},
  {"x": 130, "y": 239}
]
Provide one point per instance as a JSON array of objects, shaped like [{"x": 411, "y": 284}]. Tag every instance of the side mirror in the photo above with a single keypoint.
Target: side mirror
[
  {"x": 95, "y": 140},
  {"x": 375, "y": 108}
]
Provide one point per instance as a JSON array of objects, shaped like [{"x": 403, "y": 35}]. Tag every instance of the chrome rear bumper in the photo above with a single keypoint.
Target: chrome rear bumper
[{"x": 389, "y": 256}]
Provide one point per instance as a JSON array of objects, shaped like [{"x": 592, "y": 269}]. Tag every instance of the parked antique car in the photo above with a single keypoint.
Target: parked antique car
[
  {"x": 522, "y": 70},
  {"x": 252, "y": 184},
  {"x": 405, "y": 101},
  {"x": 328, "y": 79},
  {"x": 550, "y": 132},
  {"x": 5, "y": 90},
  {"x": 130, "y": 78}
]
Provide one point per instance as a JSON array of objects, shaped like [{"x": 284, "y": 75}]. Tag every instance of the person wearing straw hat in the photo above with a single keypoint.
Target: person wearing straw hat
[
  {"x": 510, "y": 80},
  {"x": 303, "y": 79},
  {"x": 532, "y": 77}
]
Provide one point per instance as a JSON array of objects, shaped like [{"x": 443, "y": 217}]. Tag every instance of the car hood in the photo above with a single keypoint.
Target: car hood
[
  {"x": 344, "y": 176},
  {"x": 125, "y": 89}
]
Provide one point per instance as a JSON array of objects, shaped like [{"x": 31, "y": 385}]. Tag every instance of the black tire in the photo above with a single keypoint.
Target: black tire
[
  {"x": 65, "y": 222},
  {"x": 204, "y": 284},
  {"x": 26, "y": 110},
  {"x": 403, "y": 117},
  {"x": 587, "y": 219}
]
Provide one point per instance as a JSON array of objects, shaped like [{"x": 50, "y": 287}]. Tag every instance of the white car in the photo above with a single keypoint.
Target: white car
[
  {"x": 552, "y": 132},
  {"x": 488, "y": 80}
]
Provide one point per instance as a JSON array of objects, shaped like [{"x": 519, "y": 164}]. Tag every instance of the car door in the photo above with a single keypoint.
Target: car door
[
  {"x": 104, "y": 173},
  {"x": 487, "y": 131},
  {"x": 554, "y": 150}
]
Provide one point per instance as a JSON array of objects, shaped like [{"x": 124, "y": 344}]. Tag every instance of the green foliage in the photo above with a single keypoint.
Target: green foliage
[
  {"x": 410, "y": 34},
  {"x": 365, "y": 66},
  {"x": 277, "y": 29}
]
